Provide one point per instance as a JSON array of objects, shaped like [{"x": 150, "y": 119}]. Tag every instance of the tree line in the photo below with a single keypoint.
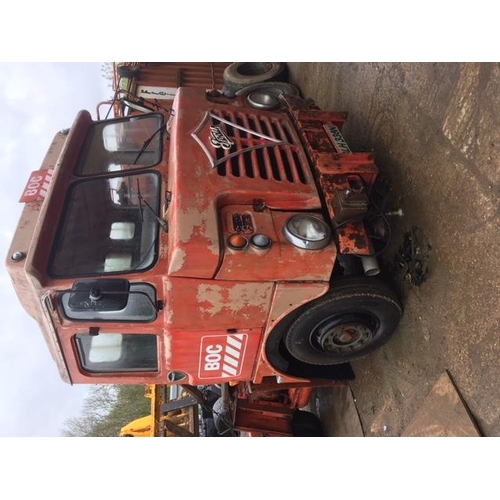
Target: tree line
[{"x": 107, "y": 409}]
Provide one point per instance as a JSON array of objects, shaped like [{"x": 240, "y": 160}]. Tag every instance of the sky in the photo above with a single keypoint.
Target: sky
[{"x": 38, "y": 100}]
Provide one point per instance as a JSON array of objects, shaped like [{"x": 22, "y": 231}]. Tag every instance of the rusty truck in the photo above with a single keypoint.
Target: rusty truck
[{"x": 226, "y": 238}]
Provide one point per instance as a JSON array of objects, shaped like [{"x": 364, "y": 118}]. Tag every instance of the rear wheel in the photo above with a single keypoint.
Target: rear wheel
[{"x": 356, "y": 317}]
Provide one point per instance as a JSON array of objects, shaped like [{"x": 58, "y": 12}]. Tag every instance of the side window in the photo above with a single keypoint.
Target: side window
[
  {"x": 116, "y": 145},
  {"x": 117, "y": 352}
]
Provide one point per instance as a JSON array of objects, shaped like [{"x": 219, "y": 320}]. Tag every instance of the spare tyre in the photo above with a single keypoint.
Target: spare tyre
[{"x": 241, "y": 74}]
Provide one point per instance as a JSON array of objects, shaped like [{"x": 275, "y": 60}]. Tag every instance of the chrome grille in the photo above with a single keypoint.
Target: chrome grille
[{"x": 256, "y": 157}]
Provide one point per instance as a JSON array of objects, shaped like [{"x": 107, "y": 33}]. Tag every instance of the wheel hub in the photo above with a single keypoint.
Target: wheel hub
[{"x": 343, "y": 337}]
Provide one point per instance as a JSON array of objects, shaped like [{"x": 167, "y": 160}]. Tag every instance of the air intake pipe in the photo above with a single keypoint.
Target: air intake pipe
[{"x": 370, "y": 265}]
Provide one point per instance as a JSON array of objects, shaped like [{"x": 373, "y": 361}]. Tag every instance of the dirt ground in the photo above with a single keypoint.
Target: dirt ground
[{"x": 435, "y": 130}]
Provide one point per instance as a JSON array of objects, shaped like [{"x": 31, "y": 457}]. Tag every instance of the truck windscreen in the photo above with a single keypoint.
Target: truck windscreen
[
  {"x": 105, "y": 227},
  {"x": 122, "y": 144}
]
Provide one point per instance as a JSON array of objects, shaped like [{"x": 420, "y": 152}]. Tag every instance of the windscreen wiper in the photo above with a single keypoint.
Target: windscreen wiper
[
  {"x": 139, "y": 197},
  {"x": 160, "y": 221},
  {"x": 147, "y": 143}
]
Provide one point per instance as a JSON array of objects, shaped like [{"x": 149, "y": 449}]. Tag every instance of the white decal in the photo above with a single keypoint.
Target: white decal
[
  {"x": 232, "y": 355},
  {"x": 222, "y": 356}
]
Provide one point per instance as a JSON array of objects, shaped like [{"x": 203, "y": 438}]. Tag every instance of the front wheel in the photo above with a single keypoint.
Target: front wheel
[{"x": 356, "y": 317}]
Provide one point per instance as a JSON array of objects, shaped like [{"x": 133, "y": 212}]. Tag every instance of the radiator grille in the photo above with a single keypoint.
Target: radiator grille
[{"x": 279, "y": 163}]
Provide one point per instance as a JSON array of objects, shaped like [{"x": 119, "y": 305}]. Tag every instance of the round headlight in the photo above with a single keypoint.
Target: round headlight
[{"x": 307, "y": 231}]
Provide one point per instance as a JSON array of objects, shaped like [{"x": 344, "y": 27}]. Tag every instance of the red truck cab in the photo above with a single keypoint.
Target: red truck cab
[{"x": 201, "y": 245}]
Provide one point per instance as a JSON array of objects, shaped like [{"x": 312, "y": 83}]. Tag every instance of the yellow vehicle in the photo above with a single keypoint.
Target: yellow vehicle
[
  {"x": 140, "y": 427},
  {"x": 173, "y": 413}
]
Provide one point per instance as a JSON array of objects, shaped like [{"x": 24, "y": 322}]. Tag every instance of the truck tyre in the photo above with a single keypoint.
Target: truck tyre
[
  {"x": 241, "y": 74},
  {"x": 306, "y": 424},
  {"x": 357, "y": 316}
]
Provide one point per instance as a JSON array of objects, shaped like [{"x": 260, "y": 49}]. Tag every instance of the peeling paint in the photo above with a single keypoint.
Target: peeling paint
[
  {"x": 214, "y": 299},
  {"x": 211, "y": 299},
  {"x": 167, "y": 346},
  {"x": 177, "y": 260},
  {"x": 169, "y": 316},
  {"x": 194, "y": 222},
  {"x": 168, "y": 310}
]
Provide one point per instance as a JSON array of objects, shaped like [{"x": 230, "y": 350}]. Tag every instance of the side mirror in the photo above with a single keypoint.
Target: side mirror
[{"x": 99, "y": 295}]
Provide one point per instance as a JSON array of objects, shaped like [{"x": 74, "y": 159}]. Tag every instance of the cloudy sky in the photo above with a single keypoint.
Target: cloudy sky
[{"x": 38, "y": 100}]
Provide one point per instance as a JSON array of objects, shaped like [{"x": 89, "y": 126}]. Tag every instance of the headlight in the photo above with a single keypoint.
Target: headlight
[
  {"x": 307, "y": 231},
  {"x": 261, "y": 99}
]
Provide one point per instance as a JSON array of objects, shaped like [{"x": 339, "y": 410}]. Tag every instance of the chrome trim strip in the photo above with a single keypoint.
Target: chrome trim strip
[{"x": 198, "y": 140}]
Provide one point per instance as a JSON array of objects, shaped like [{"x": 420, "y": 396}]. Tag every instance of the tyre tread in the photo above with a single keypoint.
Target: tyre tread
[{"x": 345, "y": 290}]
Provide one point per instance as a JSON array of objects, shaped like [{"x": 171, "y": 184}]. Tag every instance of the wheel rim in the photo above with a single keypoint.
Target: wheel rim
[{"x": 343, "y": 334}]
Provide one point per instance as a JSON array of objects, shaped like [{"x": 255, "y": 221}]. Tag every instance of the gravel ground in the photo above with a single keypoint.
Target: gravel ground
[{"x": 434, "y": 128}]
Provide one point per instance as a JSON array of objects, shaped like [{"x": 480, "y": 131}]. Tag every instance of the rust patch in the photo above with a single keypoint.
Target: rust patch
[{"x": 353, "y": 239}]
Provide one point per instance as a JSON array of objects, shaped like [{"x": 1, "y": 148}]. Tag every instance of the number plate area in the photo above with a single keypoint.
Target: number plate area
[{"x": 337, "y": 139}]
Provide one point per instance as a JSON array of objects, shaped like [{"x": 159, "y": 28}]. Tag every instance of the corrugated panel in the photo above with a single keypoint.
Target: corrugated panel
[
  {"x": 203, "y": 75},
  {"x": 166, "y": 75}
]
